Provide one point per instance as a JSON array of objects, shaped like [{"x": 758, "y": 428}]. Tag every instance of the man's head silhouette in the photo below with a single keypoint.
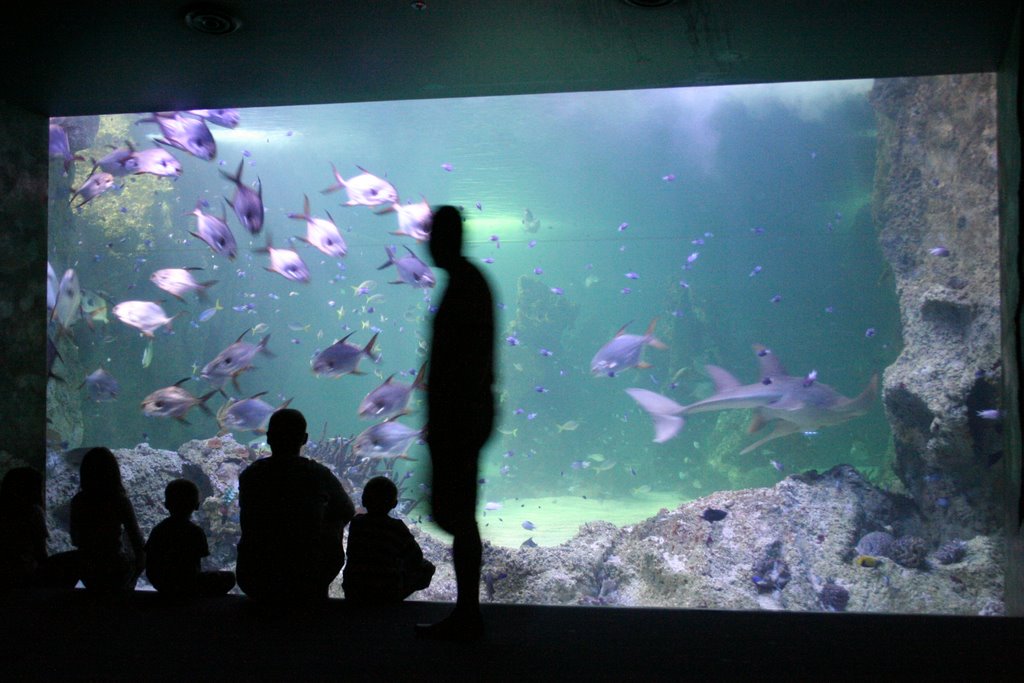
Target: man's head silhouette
[
  {"x": 446, "y": 237},
  {"x": 286, "y": 433}
]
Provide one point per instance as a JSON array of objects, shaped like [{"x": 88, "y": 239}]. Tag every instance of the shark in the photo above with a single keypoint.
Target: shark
[{"x": 794, "y": 403}]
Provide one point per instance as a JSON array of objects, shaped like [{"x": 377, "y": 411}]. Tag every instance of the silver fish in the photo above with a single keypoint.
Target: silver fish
[
  {"x": 52, "y": 287},
  {"x": 173, "y": 401},
  {"x": 247, "y": 204},
  {"x": 249, "y": 414},
  {"x": 287, "y": 263},
  {"x": 798, "y": 406},
  {"x": 121, "y": 161},
  {"x": 411, "y": 270},
  {"x": 68, "y": 304},
  {"x": 385, "y": 440},
  {"x": 320, "y": 233},
  {"x": 96, "y": 184},
  {"x": 234, "y": 360},
  {"x": 364, "y": 189},
  {"x": 101, "y": 386},
  {"x": 228, "y": 118},
  {"x": 215, "y": 232},
  {"x": 623, "y": 351},
  {"x": 179, "y": 281},
  {"x": 186, "y": 133},
  {"x": 61, "y": 148},
  {"x": 413, "y": 220},
  {"x": 391, "y": 399},
  {"x": 155, "y": 161},
  {"x": 341, "y": 358},
  {"x": 145, "y": 316}
]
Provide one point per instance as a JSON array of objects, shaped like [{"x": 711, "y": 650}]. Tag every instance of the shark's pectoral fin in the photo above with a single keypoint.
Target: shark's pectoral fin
[
  {"x": 859, "y": 405},
  {"x": 756, "y": 423},
  {"x": 781, "y": 429},
  {"x": 666, "y": 427}
]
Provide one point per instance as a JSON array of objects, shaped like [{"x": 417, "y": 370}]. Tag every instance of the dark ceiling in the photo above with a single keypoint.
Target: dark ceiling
[{"x": 104, "y": 56}]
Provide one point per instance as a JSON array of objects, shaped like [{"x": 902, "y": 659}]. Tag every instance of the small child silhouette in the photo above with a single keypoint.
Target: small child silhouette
[
  {"x": 177, "y": 544},
  {"x": 385, "y": 564}
]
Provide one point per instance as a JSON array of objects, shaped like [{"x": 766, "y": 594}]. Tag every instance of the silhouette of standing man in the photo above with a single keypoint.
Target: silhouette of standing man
[{"x": 460, "y": 416}]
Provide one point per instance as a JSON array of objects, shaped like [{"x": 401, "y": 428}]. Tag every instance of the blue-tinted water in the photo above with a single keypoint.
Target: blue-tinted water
[{"x": 714, "y": 184}]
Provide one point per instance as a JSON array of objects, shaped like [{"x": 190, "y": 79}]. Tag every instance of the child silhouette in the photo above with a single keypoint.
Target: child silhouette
[
  {"x": 176, "y": 546},
  {"x": 385, "y": 564}
]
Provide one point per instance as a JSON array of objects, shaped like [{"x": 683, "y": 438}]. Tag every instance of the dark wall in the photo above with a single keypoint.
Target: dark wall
[
  {"x": 1008, "y": 85},
  {"x": 23, "y": 189}
]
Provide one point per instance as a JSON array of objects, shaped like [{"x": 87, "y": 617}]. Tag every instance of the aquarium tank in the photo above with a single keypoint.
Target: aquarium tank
[{"x": 748, "y": 336}]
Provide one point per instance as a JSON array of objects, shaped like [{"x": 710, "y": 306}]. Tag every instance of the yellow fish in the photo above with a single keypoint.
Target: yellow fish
[
  {"x": 596, "y": 457},
  {"x": 341, "y": 313},
  {"x": 509, "y": 433},
  {"x": 260, "y": 328},
  {"x": 570, "y": 426},
  {"x": 867, "y": 561},
  {"x": 639, "y": 490},
  {"x": 366, "y": 325}
]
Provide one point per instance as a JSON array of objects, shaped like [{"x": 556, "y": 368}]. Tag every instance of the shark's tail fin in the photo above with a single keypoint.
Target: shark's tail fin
[
  {"x": 663, "y": 411},
  {"x": 863, "y": 401}
]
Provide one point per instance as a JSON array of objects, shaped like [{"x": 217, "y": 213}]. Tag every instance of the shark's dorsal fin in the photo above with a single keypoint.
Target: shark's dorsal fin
[
  {"x": 770, "y": 364},
  {"x": 722, "y": 379}
]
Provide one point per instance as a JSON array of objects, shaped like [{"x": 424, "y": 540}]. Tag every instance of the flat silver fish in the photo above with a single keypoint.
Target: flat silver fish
[
  {"x": 145, "y": 316},
  {"x": 173, "y": 401},
  {"x": 364, "y": 189},
  {"x": 155, "y": 161},
  {"x": 411, "y": 270},
  {"x": 215, "y": 232},
  {"x": 341, "y": 358},
  {"x": 247, "y": 204},
  {"x": 413, "y": 220},
  {"x": 187, "y": 133},
  {"x": 391, "y": 399},
  {"x": 320, "y": 233},
  {"x": 385, "y": 440},
  {"x": 233, "y": 361},
  {"x": 68, "y": 303},
  {"x": 101, "y": 386},
  {"x": 623, "y": 351},
  {"x": 179, "y": 281},
  {"x": 248, "y": 414},
  {"x": 95, "y": 185}
]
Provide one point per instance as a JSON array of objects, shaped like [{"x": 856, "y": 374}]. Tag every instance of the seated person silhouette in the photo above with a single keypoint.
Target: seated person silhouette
[
  {"x": 109, "y": 555},
  {"x": 293, "y": 511},
  {"x": 22, "y": 529},
  {"x": 385, "y": 563},
  {"x": 177, "y": 545}
]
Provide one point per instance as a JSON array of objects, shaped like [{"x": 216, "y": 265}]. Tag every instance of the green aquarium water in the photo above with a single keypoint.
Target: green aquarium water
[{"x": 727, "y": 223}]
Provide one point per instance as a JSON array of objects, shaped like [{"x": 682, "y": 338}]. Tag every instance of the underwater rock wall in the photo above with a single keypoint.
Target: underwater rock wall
[
  {"x": 935, "y": 206},
  {"x": 792, "y": 546},
  {"x": 23, "y": 174}
]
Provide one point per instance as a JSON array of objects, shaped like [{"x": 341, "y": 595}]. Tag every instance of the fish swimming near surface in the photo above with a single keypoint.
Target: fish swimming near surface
[
  {"x": 247, "y": 204},
  {"x": 145, "y": 316},
  {"x": 530, "y": 224},
  {"x": 389, "y": 439},
  {"x": 61, "y": 148},
  {"x": 795, "y": 405},
  {"x": 101, "y": 386},
  {"x": 187, "y": 133},
  {"x": 248, "y": 414},
  {"x": 173, "y": 401},
  {"x": 67, "y": 305},
  {"x": 320, "y": 233},
  {"x": 414, "y": 220},
  {"x": 179, "y": 281},
  {"x": 342, "y": 358},
  {"x": 391, "y": 399},
  {"x": 226, "y": 118},
  {"x": 215, "y": 232},
  {"x": 364, "y": 189},
  {"x": 623, "y": 351},
  {"x": 411, "y": 270},
  {"x": 233, "y": 361},
  {"x": 155, "y": 161},
  {"x": 96, "y": 184}
]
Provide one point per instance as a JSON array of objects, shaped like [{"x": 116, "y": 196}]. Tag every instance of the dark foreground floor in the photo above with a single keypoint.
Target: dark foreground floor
[{"x": 60, "y": 636}]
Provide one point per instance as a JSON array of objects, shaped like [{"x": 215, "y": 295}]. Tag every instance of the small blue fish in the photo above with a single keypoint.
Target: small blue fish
[
  {"x": 870, "y": 332},
  {"x": 447, "y": 167},
  {"x": 755, "y": 271},
  {"x": 557, "y": 290},
  {"x": 809, "y": 379},
  {"x": 538, "y": 271},
  {"x": 669, "y": 178},
  {"x": 939, "y": 251},
  {"x": 692, "y": 257},
  {"x": 776, "y": 299},
  {"x": 632, "y": 276},
  {"x": 623, "y": 226},
  {"x": 512, "y": 340},
  {"x": 541, "y": 390},
  {"x": 531, "y": 244},
  {"x": 528, "y": 525},
  {"x": 546, "y": 353},
  {"x": 990, "y": 414}
]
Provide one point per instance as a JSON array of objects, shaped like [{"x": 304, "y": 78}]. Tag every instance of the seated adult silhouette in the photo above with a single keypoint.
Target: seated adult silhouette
[{"x": 293, "y": 511}]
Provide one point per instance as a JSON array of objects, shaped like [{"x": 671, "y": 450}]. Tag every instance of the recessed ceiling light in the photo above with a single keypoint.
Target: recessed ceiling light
[{"x": 211, "y": 19}]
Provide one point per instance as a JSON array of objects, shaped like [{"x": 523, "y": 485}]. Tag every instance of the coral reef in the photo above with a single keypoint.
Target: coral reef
[
  {"x": 952, "y": 552},
  {"x": 935, "y": 205},
  {"x": 875, "y": 543},
  {"x": 834, "y": 597}
]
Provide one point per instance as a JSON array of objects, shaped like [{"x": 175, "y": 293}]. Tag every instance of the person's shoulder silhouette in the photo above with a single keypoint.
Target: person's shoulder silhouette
[{"x": 22, "y": 527}]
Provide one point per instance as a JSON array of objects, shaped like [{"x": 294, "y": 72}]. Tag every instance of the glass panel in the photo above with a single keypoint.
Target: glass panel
[{"x": 800, "y": 411}]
